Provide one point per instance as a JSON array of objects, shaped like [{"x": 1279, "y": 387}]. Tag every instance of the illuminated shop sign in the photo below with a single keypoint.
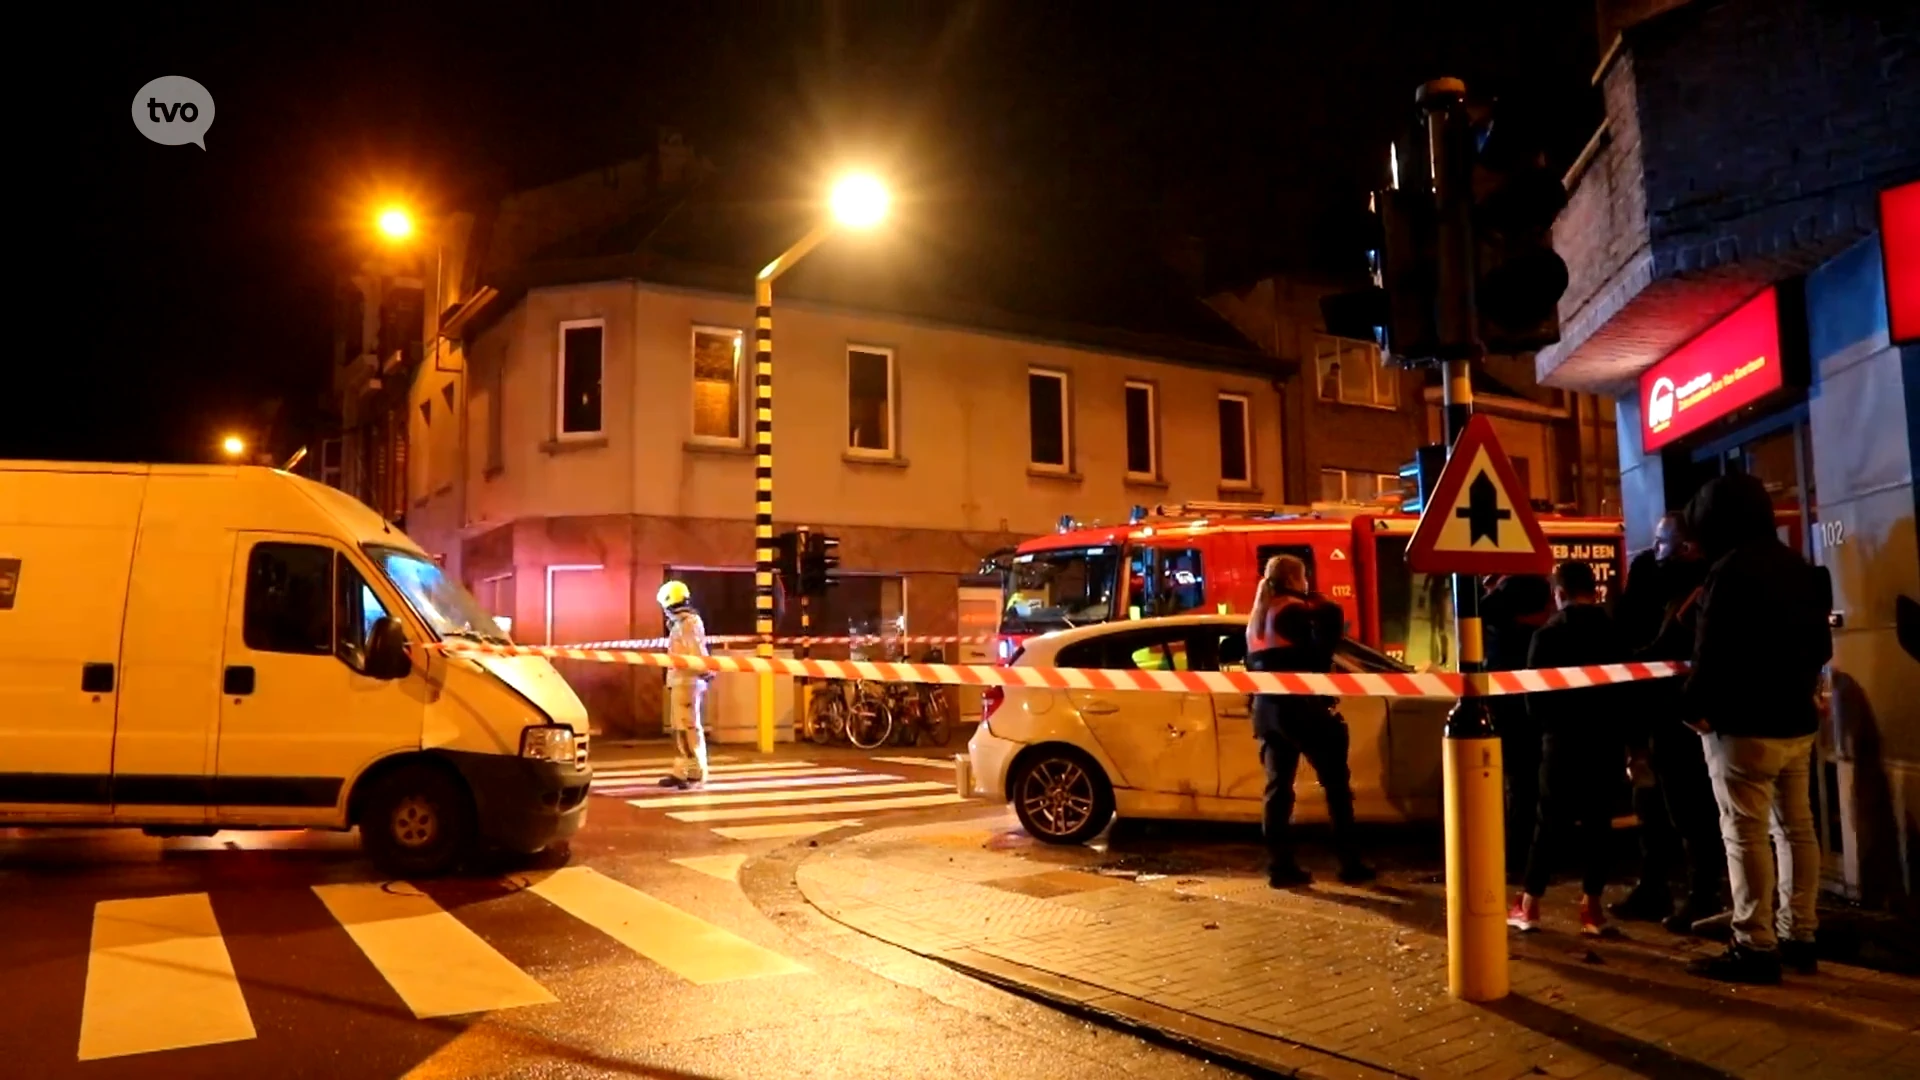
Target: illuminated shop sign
[
  {"x": 1732, "y": 364},
  {"x": 1900, "y": 247}
]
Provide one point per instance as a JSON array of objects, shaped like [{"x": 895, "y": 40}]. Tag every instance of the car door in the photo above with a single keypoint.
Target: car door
[
  {"x": 298, "y": 717},
  {"x": 1240, "y": 775},
  {"x": 1161, "y": 741}
]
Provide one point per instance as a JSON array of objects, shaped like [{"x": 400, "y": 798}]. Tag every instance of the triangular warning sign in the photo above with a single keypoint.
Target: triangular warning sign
[{"x": 1479, "y": 520}]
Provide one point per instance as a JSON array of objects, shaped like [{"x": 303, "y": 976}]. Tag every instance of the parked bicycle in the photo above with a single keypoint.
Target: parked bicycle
[{"x": 858, "y": 711}]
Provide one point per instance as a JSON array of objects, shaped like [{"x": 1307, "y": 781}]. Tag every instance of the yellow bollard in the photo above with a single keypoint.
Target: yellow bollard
[
  {"x": 1476, "y": 869},
  {"x": 766, "y": 712}
]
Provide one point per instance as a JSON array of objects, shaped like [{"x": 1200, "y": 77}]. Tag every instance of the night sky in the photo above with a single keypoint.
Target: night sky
[{"x": 180, "y": 292}]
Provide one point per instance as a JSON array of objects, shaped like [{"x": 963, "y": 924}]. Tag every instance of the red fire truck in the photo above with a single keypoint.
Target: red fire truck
[{"x": 1208, "y": 556}]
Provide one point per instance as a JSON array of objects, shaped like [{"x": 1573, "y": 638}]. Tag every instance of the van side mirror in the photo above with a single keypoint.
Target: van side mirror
[{"x": 387, "y": 650}]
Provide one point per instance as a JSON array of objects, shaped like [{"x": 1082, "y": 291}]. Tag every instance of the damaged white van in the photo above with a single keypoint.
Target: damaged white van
[{"x": 187, "y": 649}]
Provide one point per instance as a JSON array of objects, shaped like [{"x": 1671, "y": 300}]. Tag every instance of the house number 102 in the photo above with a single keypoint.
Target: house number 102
[{"x": 1830, "y": 533}]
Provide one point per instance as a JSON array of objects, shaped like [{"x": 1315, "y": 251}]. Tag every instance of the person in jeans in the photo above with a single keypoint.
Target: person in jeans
[
  {"x": 1657, "y": 617},
  {"x": 1291, "y": 629},
  {"x": 1582, "y": 751},
  {"x": 1759, "y": 646}
]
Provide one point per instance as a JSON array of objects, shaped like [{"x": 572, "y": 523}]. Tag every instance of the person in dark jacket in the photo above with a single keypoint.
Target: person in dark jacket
[
  {"x": 1759, "y": 646},
  {"x": 1672, "y": 795},
  {"x": 1292, "y": 629},
  {"x": 1583, "y": 752},
  {"x": 1511, "y": 609}
]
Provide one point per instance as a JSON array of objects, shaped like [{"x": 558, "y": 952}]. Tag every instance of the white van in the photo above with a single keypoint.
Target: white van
[{"x": 194, "y": 648}]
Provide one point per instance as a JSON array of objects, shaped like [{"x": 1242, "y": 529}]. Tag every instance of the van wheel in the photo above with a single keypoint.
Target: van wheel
[
  {"x": 1061, "y": 796},
  {"x": 418, "y": 822}
]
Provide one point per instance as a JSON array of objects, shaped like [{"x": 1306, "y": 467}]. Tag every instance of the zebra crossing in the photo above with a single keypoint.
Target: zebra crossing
[
  {"x": 160, "y": 977},
  {"x": 785, "y": 799}
]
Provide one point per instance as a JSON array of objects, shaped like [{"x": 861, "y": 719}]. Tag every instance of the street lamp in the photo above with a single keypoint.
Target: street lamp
[
  {"x": 233, "y": 446},
  {"x": 395, "y": 223},
  {"x": 858, "y": 201}
]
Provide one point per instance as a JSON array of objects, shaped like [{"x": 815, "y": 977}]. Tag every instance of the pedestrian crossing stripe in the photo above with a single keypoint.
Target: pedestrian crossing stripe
[
  {"x": 725, "y": 798},
  {"x": 159, "y": 978},
  {"x": 780, "y": 774},
  {"x": 924, "y": 762},
  {"x": 784, "y": 830},
  {"x": 657, "y": 771},
  {"x": 687, "y": 945},
  {"x": 436, "y": 965},
  {"x": 748, "y": 813},
  {"x": 723, "y": 867},
  {"x": 775, "y": 784}
]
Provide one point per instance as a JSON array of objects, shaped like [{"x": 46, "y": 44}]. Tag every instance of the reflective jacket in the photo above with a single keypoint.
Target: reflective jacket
[{"x": 686, "y": 636}]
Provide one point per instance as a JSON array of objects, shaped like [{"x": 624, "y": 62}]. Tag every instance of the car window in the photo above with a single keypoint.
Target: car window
[
  {"x": 287, "y": 607},
  {"x": 356, "y": 609},
  {"x": 1156, "y": 649},
  {"x": 1219, "y": 648}
]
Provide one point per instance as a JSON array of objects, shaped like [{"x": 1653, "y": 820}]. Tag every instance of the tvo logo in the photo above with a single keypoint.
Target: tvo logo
[{"x": 174, "y": 110}]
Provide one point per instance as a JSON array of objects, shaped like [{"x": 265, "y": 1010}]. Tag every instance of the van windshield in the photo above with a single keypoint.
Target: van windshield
[
  {"x": 439, "y": 600},
  {"x": 1058, "y": 589}
]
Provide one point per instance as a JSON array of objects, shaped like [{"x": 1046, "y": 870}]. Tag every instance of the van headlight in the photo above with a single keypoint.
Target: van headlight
[{"x": 547, "y": 742}]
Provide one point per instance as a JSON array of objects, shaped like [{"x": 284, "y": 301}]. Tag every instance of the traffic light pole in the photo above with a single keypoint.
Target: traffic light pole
[
  {"x": 806, "y": 602},
  {"x": 1472, "y": 767}
]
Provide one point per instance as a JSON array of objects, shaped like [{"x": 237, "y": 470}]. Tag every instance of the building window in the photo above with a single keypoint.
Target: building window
[
  {"x": 716, "y": 384},
  {"x": 1351, "y": 373},
  {"x": 1143, "y": 450},
  {"x": 870, "y": 401},
  {"x": 582, "y": 349},
  {"x": 1357, "y": 485},
  {"x": 1047, "y": 419},
  {"x": 1236, "y": 460}
]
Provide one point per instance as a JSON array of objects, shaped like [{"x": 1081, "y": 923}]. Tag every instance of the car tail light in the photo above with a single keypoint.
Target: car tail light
[{"x": 990, "y": 699}]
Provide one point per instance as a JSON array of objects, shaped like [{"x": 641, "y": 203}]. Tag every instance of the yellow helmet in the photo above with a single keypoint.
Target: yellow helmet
[{"x": 673, "y": 594}]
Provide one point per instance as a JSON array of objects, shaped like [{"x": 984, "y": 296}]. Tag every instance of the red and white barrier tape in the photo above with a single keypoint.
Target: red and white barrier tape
[
  {"x": 1425, "y": 685},
  {"x": 749, "y": 639}
]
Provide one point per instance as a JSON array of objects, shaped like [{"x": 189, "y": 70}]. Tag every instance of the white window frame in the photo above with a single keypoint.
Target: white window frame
[
  {"x": 560, "y": 568},
  {"x": 1386, "y": 384},
  {"x": 1388, "y": 482},
  {"x": 892, "y": 449},
  {"x": 1246, "y": 441},
  {"x": 739, "y": 385},
  {"x": 1153, "y": 429},
  {"x": 1065, "y": 378},
  {"x": 560, "y": 432}
]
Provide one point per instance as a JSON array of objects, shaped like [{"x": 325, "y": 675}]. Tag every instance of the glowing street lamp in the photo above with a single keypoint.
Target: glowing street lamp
[
  {"x": 395, "y": 223},
  {"x": 856, "y": 201},
  {"x": 233, "y": 446}
]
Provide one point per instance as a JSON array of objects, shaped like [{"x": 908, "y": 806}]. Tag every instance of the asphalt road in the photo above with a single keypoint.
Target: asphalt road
[{"x": 649, "y": 954}]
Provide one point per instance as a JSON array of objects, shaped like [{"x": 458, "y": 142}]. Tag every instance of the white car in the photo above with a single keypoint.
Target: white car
[{"x": 1069, "y": 760}]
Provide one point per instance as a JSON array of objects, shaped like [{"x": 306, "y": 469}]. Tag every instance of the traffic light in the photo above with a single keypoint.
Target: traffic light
[
  {"x": 1398, "y": 311},
  {"x": 1518, "y": 275},
  {"x": 1424, "y": 472},
  {"x": 786, "y": 561},
  {"x": 818, "y": 561}
]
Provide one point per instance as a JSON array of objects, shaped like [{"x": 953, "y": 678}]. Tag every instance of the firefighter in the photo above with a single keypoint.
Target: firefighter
[{"x": 686, "y": 636}]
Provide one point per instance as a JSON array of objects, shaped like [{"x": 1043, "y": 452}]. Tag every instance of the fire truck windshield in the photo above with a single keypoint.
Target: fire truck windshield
[{"x": 1060, "y": 589}]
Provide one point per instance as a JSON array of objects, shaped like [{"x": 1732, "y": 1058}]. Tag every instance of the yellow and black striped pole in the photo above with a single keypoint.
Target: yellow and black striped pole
[
  {"x": 1474, "y": 781},
  {"x": 763, "y": 466},
  {"x": 763, "y": 497}
]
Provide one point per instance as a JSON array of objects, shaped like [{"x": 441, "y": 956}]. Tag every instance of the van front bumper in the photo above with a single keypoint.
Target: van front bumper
[{"x": 524, "y": 805}]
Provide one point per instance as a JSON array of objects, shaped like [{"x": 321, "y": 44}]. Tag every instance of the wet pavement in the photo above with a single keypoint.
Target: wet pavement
[{"x": 283, "y": 954}]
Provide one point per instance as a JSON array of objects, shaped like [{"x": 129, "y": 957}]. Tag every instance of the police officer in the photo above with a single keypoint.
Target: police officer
[
  {"x": 686, "y": 636},
  {"x": 1291, "y": 629}
]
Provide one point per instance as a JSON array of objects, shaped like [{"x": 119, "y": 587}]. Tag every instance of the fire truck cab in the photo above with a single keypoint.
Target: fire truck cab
[{"x": 1208, "y": 557}]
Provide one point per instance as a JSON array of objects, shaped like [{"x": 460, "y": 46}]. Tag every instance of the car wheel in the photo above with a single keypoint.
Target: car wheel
[
  {"x": 1061, "y": 796},
  {"x": 418, "y": 822}
]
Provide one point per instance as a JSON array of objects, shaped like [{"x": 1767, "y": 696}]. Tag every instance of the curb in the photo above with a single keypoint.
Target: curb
[{"x": 1226, "y": 1043}]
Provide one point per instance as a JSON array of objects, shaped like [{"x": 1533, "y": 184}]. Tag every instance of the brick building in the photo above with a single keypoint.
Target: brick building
[
  {"x": 1352, "y": 422},
  {"x": 1727, "y": 290}
]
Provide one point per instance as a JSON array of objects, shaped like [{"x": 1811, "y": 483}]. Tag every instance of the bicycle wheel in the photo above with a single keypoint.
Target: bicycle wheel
[
  {"x": 936, "y": 716},
  {"x": 820, "y": 713},
  {"x": 870, "y": 722}
]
